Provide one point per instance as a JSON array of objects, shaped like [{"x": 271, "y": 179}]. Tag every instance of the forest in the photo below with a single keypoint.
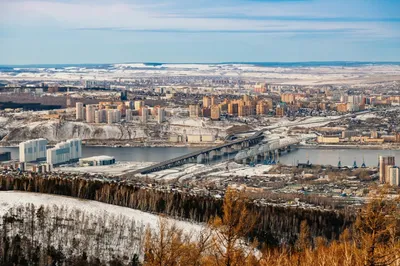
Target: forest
[
  {"x": 31, "y": 235},
  {"x": 277, "y": 225},
  {"x": 56, "y": 235}
]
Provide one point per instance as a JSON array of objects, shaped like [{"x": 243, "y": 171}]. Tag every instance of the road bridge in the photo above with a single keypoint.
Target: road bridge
[
  {"x": 206, "y": 154},
  {"x": 269, "y": 151}
]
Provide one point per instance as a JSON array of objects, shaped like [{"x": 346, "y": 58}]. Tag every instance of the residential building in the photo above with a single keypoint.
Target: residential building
[
  {"x": 32, "y": 150},
  {"x": 138, "y": 105},
  {"x": 90, "y": 113},
  {"x": 385, "y": 161},
  {"x": 128, "y": 115},
  {"x": 65, "y": 152},
  {"x": 145, "y": 114},
  {"x": 161, "y": 115},
  {"x": 206, "y": 101},
  {"x": 194, "y": 110},
  {"x": 215, "y": 112},
  {"x": 79, "y": 111},
  {"x": 394, "y": 175}
]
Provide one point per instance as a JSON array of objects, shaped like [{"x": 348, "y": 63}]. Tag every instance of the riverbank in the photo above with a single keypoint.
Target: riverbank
[
  {"x": 132, "y": 145},
  {"x": 350, "y": 147}
]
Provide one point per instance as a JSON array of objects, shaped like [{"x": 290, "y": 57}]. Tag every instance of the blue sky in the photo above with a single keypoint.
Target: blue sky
[{"x": 108, "y": 31}]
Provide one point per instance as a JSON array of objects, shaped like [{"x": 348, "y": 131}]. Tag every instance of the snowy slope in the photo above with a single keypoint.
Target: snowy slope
[{"x": 15, "y": 198}]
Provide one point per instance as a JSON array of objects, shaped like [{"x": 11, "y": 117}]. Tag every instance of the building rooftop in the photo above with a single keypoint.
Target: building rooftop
[{"x": 98, "y": 158}]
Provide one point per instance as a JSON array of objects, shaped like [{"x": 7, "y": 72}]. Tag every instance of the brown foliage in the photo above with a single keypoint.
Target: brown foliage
[{"x": 373, "y": 241}]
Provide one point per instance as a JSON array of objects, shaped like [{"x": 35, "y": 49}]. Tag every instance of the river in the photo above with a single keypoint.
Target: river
[{"x": 315, "y": 155}]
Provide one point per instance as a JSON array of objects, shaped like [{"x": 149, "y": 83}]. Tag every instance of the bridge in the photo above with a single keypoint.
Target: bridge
[
  {"x": 269, "y": 152},
  {"x": 206, "y": 154}
]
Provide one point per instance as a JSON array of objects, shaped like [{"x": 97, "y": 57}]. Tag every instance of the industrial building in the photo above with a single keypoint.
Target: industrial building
[
  {"x": 97, "y": 161},
  {"x": 65, "y": 152},
  {"x": 32, "y": 150}
]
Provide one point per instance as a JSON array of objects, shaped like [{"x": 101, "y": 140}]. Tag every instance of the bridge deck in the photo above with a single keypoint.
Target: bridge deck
[{"x": 257, "y": 135}]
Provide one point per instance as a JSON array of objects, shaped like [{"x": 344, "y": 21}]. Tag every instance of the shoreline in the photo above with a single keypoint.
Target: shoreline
[
  {"x": 209, "y": 145},
  {"x": 348, "y": 147}
]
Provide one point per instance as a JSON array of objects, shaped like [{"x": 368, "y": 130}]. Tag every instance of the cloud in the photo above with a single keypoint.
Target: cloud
[{"x": 224, "y": 16}]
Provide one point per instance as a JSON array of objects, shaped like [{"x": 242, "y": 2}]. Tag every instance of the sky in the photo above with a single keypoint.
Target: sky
[{"x": 198, "y": 31}]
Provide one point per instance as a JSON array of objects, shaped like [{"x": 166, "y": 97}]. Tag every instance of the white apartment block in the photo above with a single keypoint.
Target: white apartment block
[
  {"x": 65, "y": 152},
  {"x": 32, "y": 150}
]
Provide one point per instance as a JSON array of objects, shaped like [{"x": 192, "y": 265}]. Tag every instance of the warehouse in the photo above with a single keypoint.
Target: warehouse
[{"x": 97, "y": 160}]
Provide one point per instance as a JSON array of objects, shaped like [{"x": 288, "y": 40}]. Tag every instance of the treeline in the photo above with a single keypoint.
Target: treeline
[
  {"x": 57, "y": 235},
  {"x": 276, "y": 224},
  {"x": 373, "y": 240}
]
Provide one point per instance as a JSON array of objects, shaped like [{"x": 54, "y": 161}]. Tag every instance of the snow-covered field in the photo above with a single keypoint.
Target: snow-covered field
[
  {"x": 210, "y": 172},
  {"x": 73, "y": 226},
  {"x": 300, "y": 75},
  {"x": 117, "y": 169}
]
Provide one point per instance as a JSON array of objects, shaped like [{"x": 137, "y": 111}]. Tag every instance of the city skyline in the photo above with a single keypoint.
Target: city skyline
[{"x": 72, "y": 32}]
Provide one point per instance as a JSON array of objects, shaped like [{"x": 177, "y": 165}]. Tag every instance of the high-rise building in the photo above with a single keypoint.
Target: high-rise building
[
  {"x": 260, "y": 88},
  {"x": 122, "y": 108},
  {"x": 233, "y": 108},
  {"x": 206, "y": 101},
  {"x": 100, "y": 116},
  {"x": 355, "y": 99},
  {"x": 103, "y": 116},
  {"x": 154, "y": 111},
  {"x": 129, "y": 105},
  {"x": 145, "y": 114},
  {"x": 280, "y": 111},
  {"x": 79, "y": 111},
  {"x": 65, "y": 152},
  {"x": 261, "y": 108},
  {"x": 68, "y": 99},
  {"x": 288, "y": 98},
  {"x": 97, "y": 116},
  {"x": 110, "y": 116},
  {"x": 242, "y": 110},
  {"x": 394, "y": 175},
  {"x": 90, "y": 115},
  {"x": 161, "y": 115},
  {"x": 116, "y": 116},
  {"x": 138, "y": 105},
  {"x": 385, "y": 161},
  {"x": 215, "y": 112},
  {"x": 213, "y": 100},
  {"x": 32, "y": 150},
  {"x": 194, "y": 110},
  {"x": 128, "y": 115},
  {"x": 205, "y": 112},
  {"x": 124, "y": 95}
]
